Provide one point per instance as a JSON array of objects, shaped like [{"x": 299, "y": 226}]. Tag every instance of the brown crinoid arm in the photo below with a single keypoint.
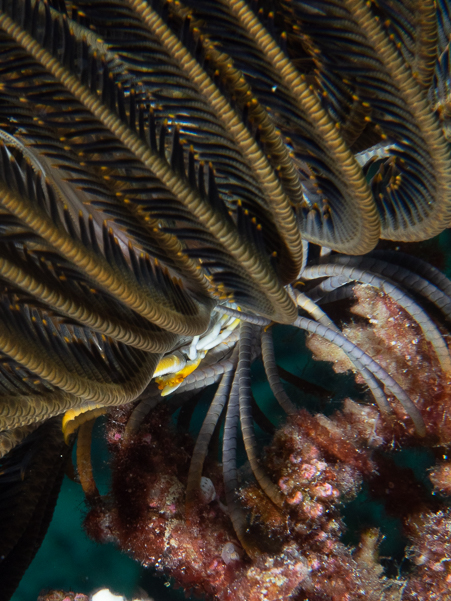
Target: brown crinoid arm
[
  {"x": 242, "y": 271},
  {"x": 410, "y": 176},
  {"x": 48, "y": 368}
]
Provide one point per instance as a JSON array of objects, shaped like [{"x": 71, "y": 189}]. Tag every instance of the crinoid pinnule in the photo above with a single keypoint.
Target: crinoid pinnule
[{"x": 160, "y": 160}]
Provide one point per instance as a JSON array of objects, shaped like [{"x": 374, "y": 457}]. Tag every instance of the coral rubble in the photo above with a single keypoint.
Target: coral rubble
[
  {"x": 431, "y": 535},
  {"x": 62, "y": 596}
]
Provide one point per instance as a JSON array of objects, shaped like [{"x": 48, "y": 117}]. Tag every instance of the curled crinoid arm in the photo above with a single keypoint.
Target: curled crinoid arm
[
  {"x": 305, "y": 303},
  {"x": 410, "y": 187},
  {"x": 72, "y": 366},
  {"x": 48, "y": 367},
  {"x": 429, "y": 329},
  {"x": 269, "y": 362},
  {"x": 416, "y": 35},
  {"x": 203, "y": 438},
  {"x": 38, "y": 274},
  {"x": 224, "y": 137},
  {"x": 355, "y": 353},
  {"x": 177, "y": 313},
  {"x": 248, "y": 332},
  {"x": 51, "y": 157},
  {"x": 251, "y": 272},
  {"x": 335, "y": 193},
  {"x": 408, "y": 279},
  {"x": 229, "y": 461}
]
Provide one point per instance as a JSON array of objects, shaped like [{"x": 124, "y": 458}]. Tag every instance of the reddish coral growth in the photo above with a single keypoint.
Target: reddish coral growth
[
  {"x": 392, "y": 338},
  {"x": 440, "y": 477},
  {"x": 318, "y": 464},
  {"x": 315, "y": 465},
  {"x": 62, "y": 596},
  {"x": 431, "y": 553},
  {"x": 147, "y": 516}
]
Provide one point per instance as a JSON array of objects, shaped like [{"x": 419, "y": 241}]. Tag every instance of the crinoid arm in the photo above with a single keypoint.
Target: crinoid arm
[{"x": 163, "y": 167}]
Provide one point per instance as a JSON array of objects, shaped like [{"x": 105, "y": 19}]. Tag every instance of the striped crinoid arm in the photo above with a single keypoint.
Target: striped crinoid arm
[
  {"x": 439, "y": 93},
  {"x": 335, "y": 193},
  {"x": 48, "y": 369},
  {"x": 136, "y": 175},
  {"x": 153, "y": 41},
  {"x": 369, "y": 69},
  {"x": 35, "y": 190},
  {"x": 410, "y": 179},
  {"x": 413, "y": 27}
]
